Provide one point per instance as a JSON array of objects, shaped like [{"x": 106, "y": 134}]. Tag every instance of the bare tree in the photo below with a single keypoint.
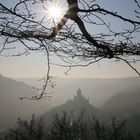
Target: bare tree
[{"x": 68, "y": 39}]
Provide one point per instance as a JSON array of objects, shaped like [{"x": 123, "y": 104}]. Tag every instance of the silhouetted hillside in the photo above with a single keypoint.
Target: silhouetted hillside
[
  {"x": 126, "y": 103},
  {"x": 97, "y": 90},
  {"x": 11, "y": 107},
  {"x": 75, "y": 107}
]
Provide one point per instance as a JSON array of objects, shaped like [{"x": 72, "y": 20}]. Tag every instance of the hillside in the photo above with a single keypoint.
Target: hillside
[
  {"x": 11, "y": 107},
  {"x": 74, "y": 107},
  {"x": 127, "y": 109},
  {"x": 97, "y": 90},
  {"x": 126, "y": 102}
]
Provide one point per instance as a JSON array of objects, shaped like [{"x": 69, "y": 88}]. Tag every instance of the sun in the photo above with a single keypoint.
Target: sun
[{"x": 55, "y": 11}]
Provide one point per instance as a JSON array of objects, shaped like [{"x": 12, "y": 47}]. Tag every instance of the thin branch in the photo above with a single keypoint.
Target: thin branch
[
  {"x": 78, "y": 65},
  {"x": 128, "y": 64},
  {"x": 110, "y": 13}
]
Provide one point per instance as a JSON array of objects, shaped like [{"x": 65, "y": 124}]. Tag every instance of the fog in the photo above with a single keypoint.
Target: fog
[{"x": 116, "y": 95}]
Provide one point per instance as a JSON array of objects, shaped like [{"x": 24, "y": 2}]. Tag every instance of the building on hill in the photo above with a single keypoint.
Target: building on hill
[
  {"x": 74, "y": 107},
  {"x": 80, "y": 98}
]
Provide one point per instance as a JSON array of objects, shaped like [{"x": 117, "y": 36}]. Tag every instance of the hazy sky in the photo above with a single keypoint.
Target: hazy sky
[{"x": 35, "y": 65}]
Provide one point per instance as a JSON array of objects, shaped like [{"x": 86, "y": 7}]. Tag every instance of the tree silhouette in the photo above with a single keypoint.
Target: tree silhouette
[
  {"x": 65, "y": 128},
  {"x": 68, "y": 39},
  {"x": 33, "y": 130},
  {"x": 115, "y": 130}
]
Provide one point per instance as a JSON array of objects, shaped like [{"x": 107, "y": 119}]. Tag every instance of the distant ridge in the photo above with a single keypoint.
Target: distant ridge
[
  {"x": 98, "y": 90},
  {"x": 126, "y": 102}
]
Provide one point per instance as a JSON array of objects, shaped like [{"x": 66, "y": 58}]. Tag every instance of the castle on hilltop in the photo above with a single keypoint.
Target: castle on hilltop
[{"x": 79, "y": 97}]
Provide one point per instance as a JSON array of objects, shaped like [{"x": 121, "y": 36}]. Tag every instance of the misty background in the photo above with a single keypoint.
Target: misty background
[{"x": 111, "y": 97}]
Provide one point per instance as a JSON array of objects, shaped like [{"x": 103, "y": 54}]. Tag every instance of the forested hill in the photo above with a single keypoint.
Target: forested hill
[{"x": 75, "y": 107}]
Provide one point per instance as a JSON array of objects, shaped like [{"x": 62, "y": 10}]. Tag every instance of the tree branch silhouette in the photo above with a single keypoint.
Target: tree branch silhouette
[{"x": 70, "y": 40}]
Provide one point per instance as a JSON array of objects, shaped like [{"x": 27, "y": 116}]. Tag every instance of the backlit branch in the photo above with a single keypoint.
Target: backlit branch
[{"x": 74, "y": 39}]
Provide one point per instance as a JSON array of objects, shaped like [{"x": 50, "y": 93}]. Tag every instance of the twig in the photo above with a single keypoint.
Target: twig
[{"x": 128, "y": 64}]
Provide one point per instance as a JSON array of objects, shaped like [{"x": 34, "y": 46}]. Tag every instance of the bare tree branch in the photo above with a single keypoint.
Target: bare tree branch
[{"x": 70, "y": 39}]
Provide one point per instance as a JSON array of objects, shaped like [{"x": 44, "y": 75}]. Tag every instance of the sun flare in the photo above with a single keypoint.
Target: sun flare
[{"x": 55, "y": 11}]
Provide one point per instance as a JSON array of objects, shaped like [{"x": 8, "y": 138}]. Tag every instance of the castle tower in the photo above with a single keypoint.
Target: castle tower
[{"x": 79, "y": 93}]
